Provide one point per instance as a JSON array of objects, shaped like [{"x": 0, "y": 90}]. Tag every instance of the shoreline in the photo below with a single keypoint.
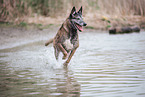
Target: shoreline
[
  {"x": 38, "y": 28},
  {"x": 12, "y": 37},
  {"x": 15, "y": 36}
]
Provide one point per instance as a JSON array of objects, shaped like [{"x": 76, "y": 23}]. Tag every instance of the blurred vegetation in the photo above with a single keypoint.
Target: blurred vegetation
[{"x": 19, "y": 10}]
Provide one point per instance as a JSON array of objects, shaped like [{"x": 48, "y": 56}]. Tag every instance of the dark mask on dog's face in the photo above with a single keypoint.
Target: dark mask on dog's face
[{"x": 77, "y": 19}]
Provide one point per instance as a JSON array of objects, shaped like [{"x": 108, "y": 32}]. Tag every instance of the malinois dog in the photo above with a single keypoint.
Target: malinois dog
[{"x": 66, "y": 39}]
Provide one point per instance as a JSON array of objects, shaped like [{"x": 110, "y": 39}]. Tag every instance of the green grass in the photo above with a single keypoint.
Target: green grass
[
  {"x": 108, "y": 26},
  {"x": 89, "y": 27},
  {"x": 25, "y": 25}
]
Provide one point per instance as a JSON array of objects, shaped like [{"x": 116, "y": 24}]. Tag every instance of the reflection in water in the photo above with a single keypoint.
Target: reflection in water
[
  {"x": 28, "y": 83},
  {"x": 65, "y": 87},
  {"x": 104, "y": 65}
]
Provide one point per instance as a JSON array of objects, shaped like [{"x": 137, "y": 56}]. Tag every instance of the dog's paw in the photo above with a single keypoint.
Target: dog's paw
[
  {"x": 65, "y": 64},
  {"x": 64, "y": 57}
]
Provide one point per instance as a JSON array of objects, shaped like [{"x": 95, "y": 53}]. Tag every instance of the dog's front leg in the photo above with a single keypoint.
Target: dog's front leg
[
  {"x": 70, "y": 56},
  {"x": 63, "y": 51}
]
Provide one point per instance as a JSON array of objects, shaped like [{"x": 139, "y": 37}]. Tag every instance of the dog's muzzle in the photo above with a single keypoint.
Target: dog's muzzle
[{"x": 84, "y": 24}]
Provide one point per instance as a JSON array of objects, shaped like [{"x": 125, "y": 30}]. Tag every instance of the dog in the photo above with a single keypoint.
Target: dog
[{"x": 66, "y": 39}]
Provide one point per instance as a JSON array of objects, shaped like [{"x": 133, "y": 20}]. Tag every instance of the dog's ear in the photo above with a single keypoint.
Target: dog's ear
[
  {"x": 80, "y": 11},
  {"x": 73, "y": 11}
]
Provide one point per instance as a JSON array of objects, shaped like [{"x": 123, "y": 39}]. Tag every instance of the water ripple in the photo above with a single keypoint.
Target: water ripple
[{"x": 104, "y": 65}]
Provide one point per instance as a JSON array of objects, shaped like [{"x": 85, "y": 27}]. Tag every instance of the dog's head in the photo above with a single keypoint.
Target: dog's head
[{"x": 77, "y": 19}]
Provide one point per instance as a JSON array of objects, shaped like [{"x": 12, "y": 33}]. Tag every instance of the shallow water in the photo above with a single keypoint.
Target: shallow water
[{"x": 103, "y": 66}]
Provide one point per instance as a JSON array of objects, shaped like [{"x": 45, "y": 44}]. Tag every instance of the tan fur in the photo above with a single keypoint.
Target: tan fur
[
  {"x": 62, "y": 42},
  {"x": 66, "y": 39}
]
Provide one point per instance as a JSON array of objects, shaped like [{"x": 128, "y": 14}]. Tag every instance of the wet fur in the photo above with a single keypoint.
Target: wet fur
[{"x": 66, "y": 39}]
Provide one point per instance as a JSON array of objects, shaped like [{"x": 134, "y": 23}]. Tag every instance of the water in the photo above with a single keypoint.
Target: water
[{"x": 103, "y": 66}]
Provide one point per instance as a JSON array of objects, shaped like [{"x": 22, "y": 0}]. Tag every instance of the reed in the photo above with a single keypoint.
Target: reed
[
  {"x": 122, "y": 7},
  {"x": 18, "y": 10},
  {"x": 12, "y": 10}
]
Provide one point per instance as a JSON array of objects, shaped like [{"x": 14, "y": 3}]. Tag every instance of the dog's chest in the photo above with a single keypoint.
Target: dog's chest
[{"x": 68, "y": 45}]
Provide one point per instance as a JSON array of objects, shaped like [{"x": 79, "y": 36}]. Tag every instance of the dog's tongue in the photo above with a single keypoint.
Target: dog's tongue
[{"x": 80, "y": 27}]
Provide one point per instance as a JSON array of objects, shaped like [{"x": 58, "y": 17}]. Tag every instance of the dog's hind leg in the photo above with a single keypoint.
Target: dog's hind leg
[{"x": 56, "y": 53}]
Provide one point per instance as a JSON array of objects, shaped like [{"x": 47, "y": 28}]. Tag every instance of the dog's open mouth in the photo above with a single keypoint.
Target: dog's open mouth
[{"x": 80, "y": 28}]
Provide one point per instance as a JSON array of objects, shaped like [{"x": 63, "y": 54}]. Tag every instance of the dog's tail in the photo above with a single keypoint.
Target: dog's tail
[{"x": 49, "y": 41}]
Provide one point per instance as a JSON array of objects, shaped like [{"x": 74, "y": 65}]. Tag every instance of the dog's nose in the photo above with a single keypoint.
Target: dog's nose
[{"x": 84, "y": 24}]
